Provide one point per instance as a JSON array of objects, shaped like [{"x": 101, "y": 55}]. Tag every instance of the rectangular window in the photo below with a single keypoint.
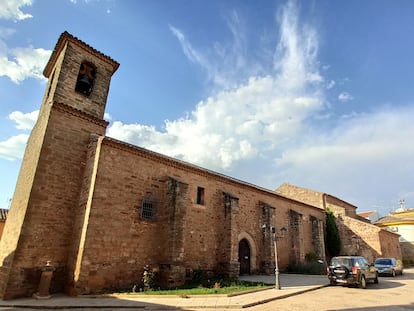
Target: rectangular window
[
  {"x": 148, "y": 208},
  {"x": 200, "y": 195}
]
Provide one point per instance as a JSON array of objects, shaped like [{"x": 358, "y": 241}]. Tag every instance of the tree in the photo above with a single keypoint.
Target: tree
[{"x": 333, "y": 240}]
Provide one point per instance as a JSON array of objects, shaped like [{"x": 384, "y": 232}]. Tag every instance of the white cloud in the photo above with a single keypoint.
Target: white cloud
[
  {"x": 107, "y": 116},
  {"x": 296, "y": 54},
  {"x": 330, "y": 84},
  {"x": 226, "y": 64},
  {"x": 344, "y": 97},
  {"x": 25, "y": 63},
  {"x": 359, "y": 158},
  {"x": 274, "y": 127},
  {"x": 11, "y": 9},
  {"x": 13, "y": 148},
  {"x": 19, "y": 63},
  {"x": 262, "y": 113},
  {"x": 24, "y": 121},
  {"x": 6, "y": 32}
]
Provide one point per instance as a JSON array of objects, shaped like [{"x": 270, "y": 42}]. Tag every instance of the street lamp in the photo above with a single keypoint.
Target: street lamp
[
  {"x": 357, "y": 240},
  {"x": 276, "y": 237}
]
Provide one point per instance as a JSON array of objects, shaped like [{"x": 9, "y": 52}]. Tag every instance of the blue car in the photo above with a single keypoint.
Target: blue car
[{"x": 388, "y": 266}]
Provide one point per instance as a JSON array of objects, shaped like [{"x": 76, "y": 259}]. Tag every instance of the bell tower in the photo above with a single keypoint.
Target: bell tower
[
  {"x": 79, "y": 76},
  {"x": 45, "y": 204}
]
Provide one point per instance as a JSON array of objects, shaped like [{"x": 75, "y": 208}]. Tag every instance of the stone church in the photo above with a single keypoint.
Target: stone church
[{"x": 100, "y": 210}]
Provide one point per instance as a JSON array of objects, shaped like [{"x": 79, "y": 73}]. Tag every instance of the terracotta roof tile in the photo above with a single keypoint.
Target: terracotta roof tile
[{"x": 66, "y": 36}]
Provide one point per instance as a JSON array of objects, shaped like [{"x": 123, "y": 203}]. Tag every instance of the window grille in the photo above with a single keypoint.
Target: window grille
[{"x": 148, "y": 208}]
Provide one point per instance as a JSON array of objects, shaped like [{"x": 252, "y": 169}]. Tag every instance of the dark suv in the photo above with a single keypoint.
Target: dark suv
[{"x": 351, "y": 270}]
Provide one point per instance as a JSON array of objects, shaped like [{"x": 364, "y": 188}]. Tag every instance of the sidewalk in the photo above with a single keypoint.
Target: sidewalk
[{"x": 292, "y": 284}]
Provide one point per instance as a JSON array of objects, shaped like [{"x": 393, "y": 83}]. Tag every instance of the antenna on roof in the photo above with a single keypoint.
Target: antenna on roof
[{"x": 402, "y": 206}]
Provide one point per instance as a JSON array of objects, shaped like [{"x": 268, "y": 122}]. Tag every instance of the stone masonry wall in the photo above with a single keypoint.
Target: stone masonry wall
[
  {"x": 119, "y": 243},
  {"x": 65, "y": 77},
  {"x": 47, "y": 229},
  {"x": 17, "y": 214},
  {"x": 340, "y": 207},
  {"x": 407, "y": 249},
  {"x": 389, "y": 244},
  {"x": 311, "y": 197},
  {"x": 366, "y": 240}
]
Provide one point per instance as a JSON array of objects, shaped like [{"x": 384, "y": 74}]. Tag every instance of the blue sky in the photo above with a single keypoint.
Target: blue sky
[{"x": 315, "y": 93}]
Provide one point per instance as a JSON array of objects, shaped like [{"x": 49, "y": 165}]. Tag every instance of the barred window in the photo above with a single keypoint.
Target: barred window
[{"x": 148, "y": 207}]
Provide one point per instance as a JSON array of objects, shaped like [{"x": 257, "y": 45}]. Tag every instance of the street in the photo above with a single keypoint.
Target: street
[{"x": 389, "y": 294}]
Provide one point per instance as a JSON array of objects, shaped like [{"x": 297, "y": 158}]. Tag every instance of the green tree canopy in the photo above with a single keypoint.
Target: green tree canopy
[{"x": 333, "y": 240}]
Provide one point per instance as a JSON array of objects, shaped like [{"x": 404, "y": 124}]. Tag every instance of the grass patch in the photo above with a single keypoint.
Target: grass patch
[{"x": 208, "y": 287}]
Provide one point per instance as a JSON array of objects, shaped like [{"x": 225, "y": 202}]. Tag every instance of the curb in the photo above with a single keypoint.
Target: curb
[
  {"x": 282, "y": 296},
  {"x": 164, "y": 307}
]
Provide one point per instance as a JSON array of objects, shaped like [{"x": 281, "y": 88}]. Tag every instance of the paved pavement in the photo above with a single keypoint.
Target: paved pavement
[{"x": 291, "y": 284}]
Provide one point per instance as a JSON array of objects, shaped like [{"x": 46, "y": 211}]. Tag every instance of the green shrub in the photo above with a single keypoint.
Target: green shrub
[
  {"x": 311, "y": 257},
  {"x": 408, "y": 262},
  {"x": 333, "y": 239},
  {"x": 148, "y": 278},
  {"x": 314, "y": 268}
]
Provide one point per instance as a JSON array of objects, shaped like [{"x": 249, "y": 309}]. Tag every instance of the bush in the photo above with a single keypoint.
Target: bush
[
  {"x": 148, "y": 278},
  {"x": 311, "y": 257},
  {"x": 333, "y": 239},
  {"x": 314, "y": 268}
]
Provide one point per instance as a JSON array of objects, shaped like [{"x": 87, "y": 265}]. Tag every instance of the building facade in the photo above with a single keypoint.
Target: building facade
[
  {"x": 100, "y": 210},
  {"x": 358, "y": 235},
  {"x": 401, "y": 222}
]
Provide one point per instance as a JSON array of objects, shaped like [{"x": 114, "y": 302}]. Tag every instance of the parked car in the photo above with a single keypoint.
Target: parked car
[
  {"x": 351, "y": 270},
  {"x": 389, "y": 266}
]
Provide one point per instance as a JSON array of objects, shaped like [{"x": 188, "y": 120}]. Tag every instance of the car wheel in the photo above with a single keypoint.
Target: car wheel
[
  {"x": 363, "y": 282},
  {"x": 393, "y": 273},
  {"x": 376, "y": 279}
]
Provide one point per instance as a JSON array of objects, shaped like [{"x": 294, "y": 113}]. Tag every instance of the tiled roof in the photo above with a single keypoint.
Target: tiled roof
[
  {"x": 64, "y": 37},
  {"x": 392, "y": 219},
  {"x": 366, "y": 214}
]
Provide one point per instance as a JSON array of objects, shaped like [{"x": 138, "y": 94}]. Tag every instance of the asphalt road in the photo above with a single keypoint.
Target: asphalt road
[{"x": 390, "y": 294}]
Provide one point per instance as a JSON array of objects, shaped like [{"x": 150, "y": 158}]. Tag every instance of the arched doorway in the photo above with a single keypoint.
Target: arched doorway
[{"x": 244, "y": 257}]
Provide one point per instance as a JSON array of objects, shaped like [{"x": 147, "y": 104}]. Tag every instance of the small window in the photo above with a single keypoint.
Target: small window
[
  {"x": 148, "y": 208},
  {"x": 200, "y": 195}
]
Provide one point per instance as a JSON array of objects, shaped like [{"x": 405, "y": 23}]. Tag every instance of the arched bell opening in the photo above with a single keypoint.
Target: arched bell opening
[{"x": 86, "y": 78}]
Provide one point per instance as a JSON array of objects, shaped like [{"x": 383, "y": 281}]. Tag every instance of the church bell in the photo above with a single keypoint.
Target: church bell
[
  {"x": 86, "y": 76},
  {"x": 84, "y": 84}
]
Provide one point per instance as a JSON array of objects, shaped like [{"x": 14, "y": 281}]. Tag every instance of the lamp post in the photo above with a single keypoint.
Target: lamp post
[
  {"x": 283, "y": 230},
  {"x": 357, "y": 240},
  {"x": 275, "y": 239}
]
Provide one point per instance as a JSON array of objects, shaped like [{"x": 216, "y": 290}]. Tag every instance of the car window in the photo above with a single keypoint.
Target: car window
[
  {"x": 383, "y": 261},
  {"x": 338, "y": 261},
  {"x": 363, "y": 262}
]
